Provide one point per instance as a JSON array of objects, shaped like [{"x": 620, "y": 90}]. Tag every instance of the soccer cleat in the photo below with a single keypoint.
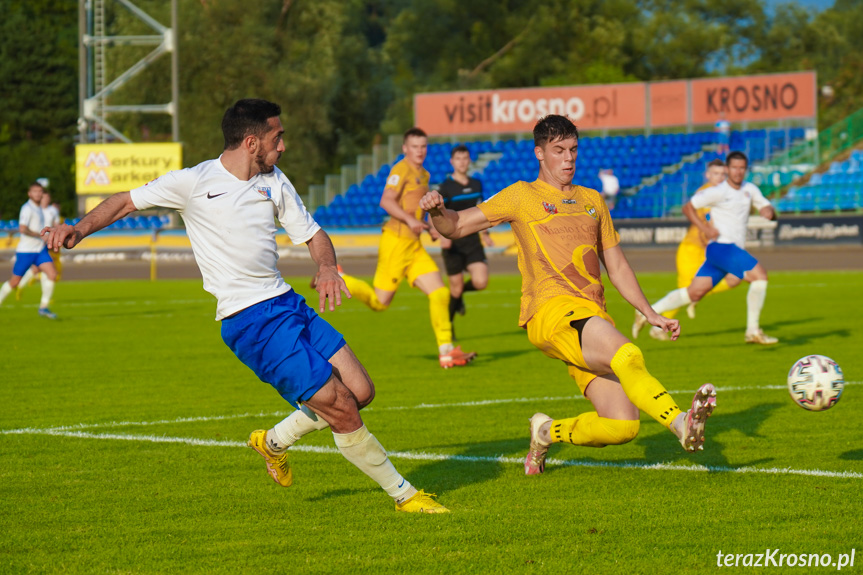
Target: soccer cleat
[
  {"x": 690, "y": 310},
  {"x": 703, "y": 405},
  {"x": 534, "y": 463},
  {"x": 456, "y": 358},
  {"x": 47, "y": 313},
  {"x": 638, "y": 324},
  {"x": 760, "y": 337},
  {"x": 421, "y": 502},
  {"x": 658, "y": 333},
  {"x": 277, "y": 465}
]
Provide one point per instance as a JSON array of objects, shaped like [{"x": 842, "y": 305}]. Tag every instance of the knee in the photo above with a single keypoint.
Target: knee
[
  {"x": 622, "y": 431},
  {"x": 479, "y": 283},
  {"x": 628, "y": 357}
]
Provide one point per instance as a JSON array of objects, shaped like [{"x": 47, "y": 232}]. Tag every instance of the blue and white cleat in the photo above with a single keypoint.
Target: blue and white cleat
[{"x": 47, "y": 313}]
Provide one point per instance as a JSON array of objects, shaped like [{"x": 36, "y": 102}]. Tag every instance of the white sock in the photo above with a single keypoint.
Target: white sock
[
  {"x": 25, "y": 279},
  {"x": 288, "y": 431},
  {"x": 672, "y": 300},
  {"x": 445, "y": 348},
  {"x": 47, "y": 291},
  {"x": 754, "y": 303},
  {"x": 362, "y": 449},
  {"x": 5, "y": 290}
]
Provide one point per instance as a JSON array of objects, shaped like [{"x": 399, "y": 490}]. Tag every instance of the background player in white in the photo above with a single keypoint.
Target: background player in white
[
  {"x": 730, "y": 204},
  {"x": 51, "y": 215},
  {"x": 31, "y": 250},
  {"x": 230, "y": 205}
]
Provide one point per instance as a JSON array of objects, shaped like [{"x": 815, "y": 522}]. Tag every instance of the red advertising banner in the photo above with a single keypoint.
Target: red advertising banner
[
  {"x": 612, "y": 106},
  {"x": 668, "y": 103},
  {"x": 754, "y": 98},
  {"x": 621, "y": 106}
]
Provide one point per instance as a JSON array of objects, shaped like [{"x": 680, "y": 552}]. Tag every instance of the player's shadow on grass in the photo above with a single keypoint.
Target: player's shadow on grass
[
  {"x": 475, "y": 464},
  {"x": 853, "y": 455},
  {"x": 484, "y": 355},
  {"x": 769, "y": 328},
  {"x": 662, "y": 448}
]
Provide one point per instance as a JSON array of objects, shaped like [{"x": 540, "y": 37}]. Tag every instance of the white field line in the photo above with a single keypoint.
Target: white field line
[
  {"x": 478, "y": 403},
  {"x": 426, "y": 456}
]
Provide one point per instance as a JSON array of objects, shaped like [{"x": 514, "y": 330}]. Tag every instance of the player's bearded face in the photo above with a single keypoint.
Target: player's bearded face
[
  {"x": 736, "y": 171},
  {"x": 270, "y": 147}
]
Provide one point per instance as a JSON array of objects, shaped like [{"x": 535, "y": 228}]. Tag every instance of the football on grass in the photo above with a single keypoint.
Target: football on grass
[{"x": 816, "y": 382}]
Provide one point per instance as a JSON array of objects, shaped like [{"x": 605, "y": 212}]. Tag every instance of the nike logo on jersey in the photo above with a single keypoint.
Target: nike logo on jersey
[{"x": 210, "y": 195}]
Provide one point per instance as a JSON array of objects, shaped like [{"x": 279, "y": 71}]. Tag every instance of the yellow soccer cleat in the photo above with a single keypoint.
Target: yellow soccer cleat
[
  {"x": 277, "y": 465},
  {"x": 421, "y": 502}
]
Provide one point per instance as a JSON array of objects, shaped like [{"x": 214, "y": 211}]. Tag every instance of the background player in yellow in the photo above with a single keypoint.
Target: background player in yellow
[
  {"x": 691, "y": 252},
  {"x": 401, "y": 254},
  {"x": 563, "y": 232}
]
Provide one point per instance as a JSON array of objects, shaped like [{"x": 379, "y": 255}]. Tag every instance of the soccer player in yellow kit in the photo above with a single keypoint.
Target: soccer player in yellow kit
[
  {"x": 563, "y": 232},
  {"x": 401, "y": 254},
  {"x": 691, "y": 252}
]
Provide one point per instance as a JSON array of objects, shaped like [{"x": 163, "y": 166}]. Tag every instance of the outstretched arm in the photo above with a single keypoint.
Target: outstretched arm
[
  {"x": 101, "y": 216},
  {"x": 452, "y": 224},
  {"x": 621, "y": 275},
  {"x": 328, "y": 282}
]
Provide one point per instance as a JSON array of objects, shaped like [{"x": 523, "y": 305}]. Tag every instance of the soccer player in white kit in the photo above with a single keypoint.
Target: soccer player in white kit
[
  {"x": 230, "y": 205},
  {"x": 51, "y": 215},
  {"x": 730, "y": 203},
  {"x": 31, "y": 251}
]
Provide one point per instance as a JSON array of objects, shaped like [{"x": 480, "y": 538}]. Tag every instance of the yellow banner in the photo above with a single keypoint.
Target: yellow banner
[{"x": 109, "y": 168}]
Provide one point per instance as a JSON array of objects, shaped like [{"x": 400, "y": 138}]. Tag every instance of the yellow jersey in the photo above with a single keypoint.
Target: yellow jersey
[
  {"x": 693, "y": 234},
  {"x": 560, "y": 236},
  {"x": 410, "y": 185}
]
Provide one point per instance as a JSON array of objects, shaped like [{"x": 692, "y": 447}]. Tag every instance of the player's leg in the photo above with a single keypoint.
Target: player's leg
[
  {"x": 338, "y": 405},
  {"x": 757, "y": 278},
  {"x": 455, "y": 265},
  {"x": 478, "y": 276},
  {"x": 49, "y": 277},
  {"x": 23, "y": 261},
  {"x": 680, "y": 297},
  {"x": 605, "y": 348},
  {"x": 389, "y": 273},
  {"x": 25, "y": 280},
  {"x": 423, "y": 273}
]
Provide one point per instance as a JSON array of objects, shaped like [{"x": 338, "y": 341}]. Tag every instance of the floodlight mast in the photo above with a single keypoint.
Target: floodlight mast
[{"x": 93, "y": 93}]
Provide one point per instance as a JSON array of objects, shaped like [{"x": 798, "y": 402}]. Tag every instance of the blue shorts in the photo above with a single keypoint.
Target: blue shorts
[
  {"x": 286, "y": 343},
  {"x": 725, "y": 259},
  {"x": 23, "y": 261}
]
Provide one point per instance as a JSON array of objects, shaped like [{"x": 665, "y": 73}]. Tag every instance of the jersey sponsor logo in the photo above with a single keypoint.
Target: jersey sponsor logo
[
  {"x": 393, "y": 180},
  {"x": 211, "y": 195},
  {"x": 570, "y": 201},
  {"x": 550, "y": 208},
  {"x": 265, "y": 192}
]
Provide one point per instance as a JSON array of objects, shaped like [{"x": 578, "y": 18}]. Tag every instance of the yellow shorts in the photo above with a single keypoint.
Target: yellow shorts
[
  {"x": 399, "y": 258},
  {"x": 550, "y": 331},
  {"x": 690, "y": 257}
]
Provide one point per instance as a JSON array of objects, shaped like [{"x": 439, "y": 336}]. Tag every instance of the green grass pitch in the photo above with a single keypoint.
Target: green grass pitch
[{"x": 123, "y": 429}]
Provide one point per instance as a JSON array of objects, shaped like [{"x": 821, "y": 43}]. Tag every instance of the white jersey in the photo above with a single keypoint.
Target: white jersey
[
  {"x": 232, "y": 228},
  {"x": 729, "y": 209},
  {"x": 33, "y": 219},
  {"x": 52, "y": 216}
]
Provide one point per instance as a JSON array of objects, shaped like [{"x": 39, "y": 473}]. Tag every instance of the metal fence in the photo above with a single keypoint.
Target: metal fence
[{"x": 830, "y": 142}]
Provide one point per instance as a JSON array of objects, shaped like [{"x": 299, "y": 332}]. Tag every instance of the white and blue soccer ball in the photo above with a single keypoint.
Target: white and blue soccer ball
[{"x": 816, "y": 382}]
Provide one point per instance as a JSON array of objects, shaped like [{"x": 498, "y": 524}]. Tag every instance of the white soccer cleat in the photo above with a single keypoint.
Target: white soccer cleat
[
  {"x": 658, "y": 333},
  {"x": 690, "y": 310},
  {"x": 703, "y": 404},
  {"x": 638, "y": 324},
  {"x": 760, "y": 337},
  {"x": 534, "y": 463}
]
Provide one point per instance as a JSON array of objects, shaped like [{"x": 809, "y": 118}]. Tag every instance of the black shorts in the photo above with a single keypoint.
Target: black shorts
[{"x": 464, "y": 251}]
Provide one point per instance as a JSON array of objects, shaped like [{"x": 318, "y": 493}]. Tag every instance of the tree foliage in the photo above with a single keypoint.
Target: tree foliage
[{"x": 346, "y": 71}]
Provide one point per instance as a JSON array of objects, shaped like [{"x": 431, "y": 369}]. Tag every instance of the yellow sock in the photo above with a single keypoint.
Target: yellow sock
[
  {"x": 640, "y": 387},
  {"x": 590, "y": 430},
  {"x": 720, "y": 287},
  {"x": 670, "y": 313},
  {"x": 363, "y": 292},
  {"x": 439, "y": 312}
]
